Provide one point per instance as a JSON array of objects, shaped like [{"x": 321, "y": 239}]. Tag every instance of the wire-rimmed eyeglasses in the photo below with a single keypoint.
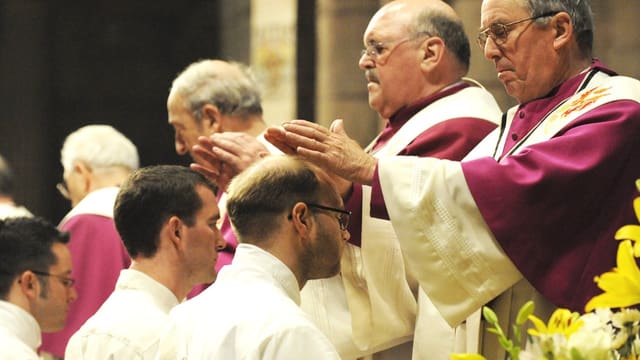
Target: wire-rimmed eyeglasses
[
  {"x": 499, "y": 32},
  {"x": 66, "y": 281},
  {"x": 375, "y": 49}
]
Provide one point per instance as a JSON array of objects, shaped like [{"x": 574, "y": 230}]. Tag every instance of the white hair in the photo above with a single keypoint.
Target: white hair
[{"x": 99, "y": 146}]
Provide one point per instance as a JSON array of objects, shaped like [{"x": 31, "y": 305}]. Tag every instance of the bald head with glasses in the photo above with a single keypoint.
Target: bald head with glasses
[{"x": 412, "y": 49}]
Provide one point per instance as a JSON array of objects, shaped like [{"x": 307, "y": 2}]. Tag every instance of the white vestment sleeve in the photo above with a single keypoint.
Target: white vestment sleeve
[{"x": 443, "y": 236}]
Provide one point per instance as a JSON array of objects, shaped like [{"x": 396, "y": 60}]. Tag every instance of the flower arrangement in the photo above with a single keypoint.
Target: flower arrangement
[{"x": 600, "y": 334}]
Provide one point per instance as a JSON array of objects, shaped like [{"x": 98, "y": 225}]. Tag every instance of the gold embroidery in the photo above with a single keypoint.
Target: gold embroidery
[{"x": 585, "y": 99}]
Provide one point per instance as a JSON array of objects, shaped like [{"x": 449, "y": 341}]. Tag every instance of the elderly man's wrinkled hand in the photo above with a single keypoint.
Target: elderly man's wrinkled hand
[
  {"x": 331, "y": 149},
  {"x": 233, "y": 152}
]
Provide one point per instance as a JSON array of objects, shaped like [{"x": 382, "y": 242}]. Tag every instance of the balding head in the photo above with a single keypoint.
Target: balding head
[
  {"x": 265, "y": 192},
  {"x": 414, "y": 49}
]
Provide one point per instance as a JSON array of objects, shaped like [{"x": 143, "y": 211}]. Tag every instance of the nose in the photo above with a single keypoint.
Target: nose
[
  {"x": 181, "y": 147},
  {"x": 346, "y": 235},
  {"x": 73, "y": 296},
  {"x": 221, "y": 244},
  {"x": 365, "y": 62},
  {"x": 491, "y": 49}
]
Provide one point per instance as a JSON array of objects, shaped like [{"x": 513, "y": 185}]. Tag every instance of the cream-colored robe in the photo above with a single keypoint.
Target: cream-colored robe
[{"x": 372, "y": 306}]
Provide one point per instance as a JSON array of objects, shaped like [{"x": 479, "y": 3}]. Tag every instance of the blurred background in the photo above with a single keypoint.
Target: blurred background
[{"x": 65, "y": 64}]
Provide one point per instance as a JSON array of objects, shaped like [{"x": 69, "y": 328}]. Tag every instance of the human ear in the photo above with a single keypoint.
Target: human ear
[
  {"x": 563, "y": 27},
  {"x": 433, "y": 49},
  {"x": 174, "y": 231},
  {"x": 301, "y": 218},
  {"x": 29, "y": 284},
  {"x": 211, "y": 119}
]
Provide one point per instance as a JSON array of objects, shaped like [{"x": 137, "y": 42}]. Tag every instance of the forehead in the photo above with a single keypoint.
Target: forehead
[
  {"x": 502, "y": 11},
  {"x": 177, "y": 109},
  {"x": 388, "y": 22},
  {"x": 63, "y": 258},
  {"x": 209, "y": 202}
]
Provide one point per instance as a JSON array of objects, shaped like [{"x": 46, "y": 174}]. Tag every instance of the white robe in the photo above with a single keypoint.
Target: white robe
[{"x": 371, "y": 306}]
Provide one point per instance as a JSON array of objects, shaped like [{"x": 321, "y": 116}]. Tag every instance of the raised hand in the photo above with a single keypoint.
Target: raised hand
[
  {"x": 224, "y": 155},
  {"x": 332, "y": 149}
]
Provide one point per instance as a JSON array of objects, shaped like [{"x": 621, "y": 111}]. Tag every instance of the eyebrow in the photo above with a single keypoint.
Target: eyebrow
[{"x": 498, "y": 21}]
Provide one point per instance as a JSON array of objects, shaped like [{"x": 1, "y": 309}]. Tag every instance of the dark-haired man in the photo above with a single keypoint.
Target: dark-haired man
[
  {"x": 36, "y": 286},
  {"x": 166, "y": 216}
]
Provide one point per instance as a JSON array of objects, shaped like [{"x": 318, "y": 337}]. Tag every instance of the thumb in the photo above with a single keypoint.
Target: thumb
[{"x": 337, "y": 126}]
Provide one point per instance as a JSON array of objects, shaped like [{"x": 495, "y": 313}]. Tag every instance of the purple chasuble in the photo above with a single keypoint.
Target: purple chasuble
[{"x": 555, "y": 206}]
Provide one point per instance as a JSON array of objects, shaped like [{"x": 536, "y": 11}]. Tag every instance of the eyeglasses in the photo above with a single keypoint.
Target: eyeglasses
[
  {"x": 63, "y": 190},
  {"x": 66, "y": 281},
  {"x": 343, "y": 218},
  {"x": 499, "y": 32},
  {"x": 375, "y": 49}
]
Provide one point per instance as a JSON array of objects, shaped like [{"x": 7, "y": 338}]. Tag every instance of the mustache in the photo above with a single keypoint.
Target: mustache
[{"x": 371, "y": 76}]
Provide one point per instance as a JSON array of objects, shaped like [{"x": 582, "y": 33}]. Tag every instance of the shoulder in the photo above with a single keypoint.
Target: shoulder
[{"x": 13, "y": 348}]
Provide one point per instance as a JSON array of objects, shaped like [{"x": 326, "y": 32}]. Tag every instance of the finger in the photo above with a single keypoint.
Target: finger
[
  {"x": 228, "y": 158},
  {"x": 227, "y": 144},
  {"x": 307, "y": 129},
  {"x": 316, "y": 157},
  {"x": 208, "y": 173},
  {"x": 205, "y": 141},
  {"x": 337, "y": 126},
  {"x": 205, "y": 156},
  {"x": 298, "y": 141},
  {"x": 277, "y": 138}
]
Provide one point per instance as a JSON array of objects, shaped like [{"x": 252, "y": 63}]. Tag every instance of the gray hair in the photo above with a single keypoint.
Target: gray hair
[
  {"x": 100, "y": 147},
  {"x": 450, "y": 30},
  {"x": 581, "y": 16},
  {"x": 201, "y": 83}
]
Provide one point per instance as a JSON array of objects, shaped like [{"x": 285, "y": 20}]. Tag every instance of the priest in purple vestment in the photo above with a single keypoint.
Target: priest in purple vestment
[
  {"x": 96, "y": 160},
  {"x": 535, "y": 206}
]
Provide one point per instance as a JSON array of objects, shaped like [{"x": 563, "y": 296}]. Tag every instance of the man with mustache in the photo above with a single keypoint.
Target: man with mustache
[
  {"x": 531, "y": 213},
  {"x": 415, "y": 57}
]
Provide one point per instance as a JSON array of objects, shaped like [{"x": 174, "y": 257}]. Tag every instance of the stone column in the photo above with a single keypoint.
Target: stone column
[
  {"x": 341, "y": 87},
  {"x": 273, "y": 56}
]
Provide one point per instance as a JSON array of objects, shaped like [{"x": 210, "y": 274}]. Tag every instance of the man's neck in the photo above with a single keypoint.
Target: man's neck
[{"x": 164, "y": 273}]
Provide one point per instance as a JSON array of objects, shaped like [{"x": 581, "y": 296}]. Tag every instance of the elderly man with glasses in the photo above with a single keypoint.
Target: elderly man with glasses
[
  {"x": 96, "y": 159},
  {"x": 531, "y": 213},
  {"x": 416, "y": 55}
]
